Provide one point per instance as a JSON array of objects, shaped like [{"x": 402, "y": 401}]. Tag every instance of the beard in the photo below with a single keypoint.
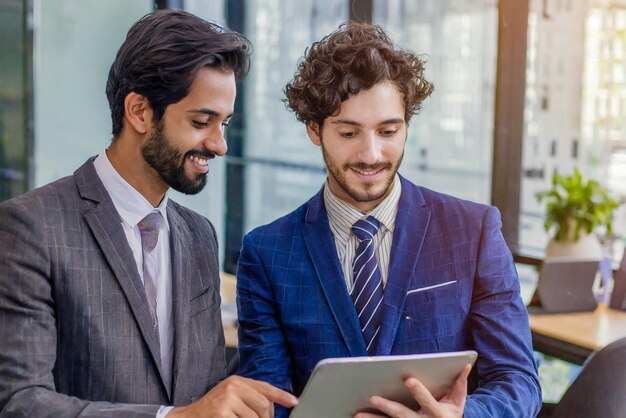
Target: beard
[
  {"x": 362, "y": 192},
  {"x": 169, "y": 162}
]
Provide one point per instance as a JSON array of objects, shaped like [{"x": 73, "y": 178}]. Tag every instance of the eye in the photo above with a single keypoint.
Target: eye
[
  {"x": 348, "y": 134},
  {"x": 199, "y": 124},
  {"x": 389, "y": 132}
]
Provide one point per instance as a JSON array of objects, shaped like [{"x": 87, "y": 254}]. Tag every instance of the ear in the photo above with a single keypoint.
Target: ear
[
  {"x": 313, "y": 131},
  {"x": 137, "y": 112}
]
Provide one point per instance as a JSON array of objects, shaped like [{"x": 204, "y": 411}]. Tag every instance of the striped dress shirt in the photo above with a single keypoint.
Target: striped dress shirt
[{"x": 341, "y": 217}]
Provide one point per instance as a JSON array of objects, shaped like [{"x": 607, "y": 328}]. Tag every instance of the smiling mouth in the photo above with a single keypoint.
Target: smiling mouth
[
  {"x": 368, "y": 171},
  {"x": 199, "y": 160}
]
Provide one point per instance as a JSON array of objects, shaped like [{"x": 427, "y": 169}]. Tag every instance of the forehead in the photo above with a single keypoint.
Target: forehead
[
  {"x": 380, "y": 103},
  {"x": 211, "y": 89}
]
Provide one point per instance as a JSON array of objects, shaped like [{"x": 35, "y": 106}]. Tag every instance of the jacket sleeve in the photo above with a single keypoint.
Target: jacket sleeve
[
  {"x": 508, "y": 385},
  {"x": 28, "y": 331},
  {"x": 262, "y": 346}
]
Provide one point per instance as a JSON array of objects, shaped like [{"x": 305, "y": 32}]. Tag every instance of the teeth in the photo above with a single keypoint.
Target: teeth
[
  {"x": 366, "y": 173},
  {"x": 199, "y": 160}
]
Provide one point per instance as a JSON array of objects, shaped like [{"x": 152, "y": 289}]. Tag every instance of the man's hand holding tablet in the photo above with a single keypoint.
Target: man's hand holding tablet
[
  {"x": 450, "y": 406},
  {"x": 418, "y": 385}
]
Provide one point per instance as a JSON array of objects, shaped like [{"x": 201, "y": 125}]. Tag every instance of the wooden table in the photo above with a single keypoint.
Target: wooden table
[{"x": 574, "y": 336}]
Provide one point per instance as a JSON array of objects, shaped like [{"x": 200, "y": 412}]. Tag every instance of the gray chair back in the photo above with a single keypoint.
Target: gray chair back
[{"x": 600, "y": 388}]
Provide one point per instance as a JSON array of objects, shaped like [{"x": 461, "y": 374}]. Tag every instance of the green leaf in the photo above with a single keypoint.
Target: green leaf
[{"x": 574, "y": 205}]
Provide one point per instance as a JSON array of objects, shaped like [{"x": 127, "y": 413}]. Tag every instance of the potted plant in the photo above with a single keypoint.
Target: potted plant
[{"x": 575, "y": 208}]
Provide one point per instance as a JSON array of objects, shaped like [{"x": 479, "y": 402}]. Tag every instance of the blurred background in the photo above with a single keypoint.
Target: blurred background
[{"x": 523, "y": 89}]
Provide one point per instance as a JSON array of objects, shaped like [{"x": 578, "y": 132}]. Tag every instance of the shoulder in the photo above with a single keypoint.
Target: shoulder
[
  {"x": 186, "y": 214},
  {"x": 191, "y": 220},
  {"x": 57, "y": 195},
  {"x": 445, "y": 206},
  {"x": 287, "y": 225},
  {"x": 32, "y": 217}
]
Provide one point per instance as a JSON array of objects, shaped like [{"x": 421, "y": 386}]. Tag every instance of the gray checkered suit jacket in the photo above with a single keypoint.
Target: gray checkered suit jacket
[{"x": 75, "y": 326}]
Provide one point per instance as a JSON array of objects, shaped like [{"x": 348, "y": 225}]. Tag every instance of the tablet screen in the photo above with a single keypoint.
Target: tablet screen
[{"x": 341, "y": 387}]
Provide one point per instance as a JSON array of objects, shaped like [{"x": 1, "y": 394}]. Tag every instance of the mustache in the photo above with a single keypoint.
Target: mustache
[
  {"x": 368, "y": 167},
  {"x": 200, "y": 153}
]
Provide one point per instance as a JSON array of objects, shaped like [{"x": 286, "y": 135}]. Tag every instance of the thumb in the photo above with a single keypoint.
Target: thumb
[{"x": 458, "y": 391}]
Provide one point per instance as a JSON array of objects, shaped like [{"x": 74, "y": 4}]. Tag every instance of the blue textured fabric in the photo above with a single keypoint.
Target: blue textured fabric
[
  {"x": 452, "y": 285},
  {"x": 367, "y": 291}
]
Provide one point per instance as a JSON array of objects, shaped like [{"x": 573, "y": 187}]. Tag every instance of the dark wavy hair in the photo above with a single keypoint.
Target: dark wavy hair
[
  {"x": 161, "y": 56},
  {"x": 355, "y": 57}
]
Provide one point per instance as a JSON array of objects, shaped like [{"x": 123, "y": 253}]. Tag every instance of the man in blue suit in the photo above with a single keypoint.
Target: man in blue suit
[{"x": 437, "y": 274}]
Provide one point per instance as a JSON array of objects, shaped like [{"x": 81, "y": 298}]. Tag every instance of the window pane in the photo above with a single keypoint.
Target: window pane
[
  {"x": 449, "y": 147},
  {"x": 283, "y": 168},
  {"x": 13, "y": 100},
  {"x": 575, "y": 105},
  {"x": 74, "y": 46}
]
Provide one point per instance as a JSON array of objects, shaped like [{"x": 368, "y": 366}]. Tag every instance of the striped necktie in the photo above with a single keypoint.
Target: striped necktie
[{"x": 367, "y": 289}]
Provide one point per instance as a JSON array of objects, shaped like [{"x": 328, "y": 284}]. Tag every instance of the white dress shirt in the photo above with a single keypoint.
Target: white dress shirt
[
  {"x": 132, "y": 208},
  {"x": 341, "y": 217}
]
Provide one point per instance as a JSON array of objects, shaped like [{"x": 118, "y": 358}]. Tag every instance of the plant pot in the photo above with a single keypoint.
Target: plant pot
[{"x": 587, "y": 247}]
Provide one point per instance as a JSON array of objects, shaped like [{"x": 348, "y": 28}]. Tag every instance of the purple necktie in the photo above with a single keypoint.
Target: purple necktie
[
  {"x": 367, "y": 291},
  {"x": 149, "y": 228}
]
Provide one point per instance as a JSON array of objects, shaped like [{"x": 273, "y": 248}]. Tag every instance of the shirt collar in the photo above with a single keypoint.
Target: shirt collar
[
  {"x": 130, "y": 204},
  {"x": 342, "y": 215}
]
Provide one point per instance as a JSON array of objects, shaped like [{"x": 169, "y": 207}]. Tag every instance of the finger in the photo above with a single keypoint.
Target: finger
[
  {"x": 391, "y": 408},
  {"x": 241, "y": 399},
  {"x": 239, "y": 408},
  {"x": 458, "y": 392},
  {"x": 256, "y": 405},
  {"x": 368, "y": 415},
  {"x": 241, "y": 391},
  {"x": 273, "y": 393},
  {"x": 421, "y": 394}
]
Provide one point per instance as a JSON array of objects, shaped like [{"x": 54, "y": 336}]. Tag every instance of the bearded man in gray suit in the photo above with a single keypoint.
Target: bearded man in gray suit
[{"x": 88, "y": 327}]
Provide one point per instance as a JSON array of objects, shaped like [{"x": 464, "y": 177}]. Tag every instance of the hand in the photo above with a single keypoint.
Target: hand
[
  {"x": 237, "y": 397},
  {"x": 451, "y": 405}
]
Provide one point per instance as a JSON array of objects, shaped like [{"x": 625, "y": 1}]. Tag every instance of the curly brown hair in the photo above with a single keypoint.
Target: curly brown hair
[{"x": 355, "y": 57}]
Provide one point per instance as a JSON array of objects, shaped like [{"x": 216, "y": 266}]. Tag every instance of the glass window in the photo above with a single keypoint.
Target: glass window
[
  {"x": 13, "y": 99},
  {"x": 586, "y": 106},
  {"x": 450, "y": 143},
  {"x": 283, "y": 168},
  {"x": 74, "y": 47}
]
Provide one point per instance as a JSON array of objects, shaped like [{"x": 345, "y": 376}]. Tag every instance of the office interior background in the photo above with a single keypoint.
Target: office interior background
[{"x": 523, "y": 88}]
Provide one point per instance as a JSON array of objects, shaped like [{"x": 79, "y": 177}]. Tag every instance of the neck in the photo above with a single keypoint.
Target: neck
[{"x": 131, "y": 166}]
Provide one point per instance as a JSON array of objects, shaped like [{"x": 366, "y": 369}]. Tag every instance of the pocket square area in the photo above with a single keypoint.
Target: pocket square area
[{"x": 434, "y": 286}]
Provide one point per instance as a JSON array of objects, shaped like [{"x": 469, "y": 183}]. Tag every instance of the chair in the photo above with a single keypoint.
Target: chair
[{"x": 598, "y": 391}]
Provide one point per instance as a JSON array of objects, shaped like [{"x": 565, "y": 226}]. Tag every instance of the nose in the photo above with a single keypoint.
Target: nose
[
  {"x": 216, "y": 142},
  {"x": 370, "y": 152}
]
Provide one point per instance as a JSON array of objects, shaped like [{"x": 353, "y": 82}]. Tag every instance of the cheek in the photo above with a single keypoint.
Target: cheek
[
  {"x": 185, "y": 138},
  {"x": 393, "y": 151}
]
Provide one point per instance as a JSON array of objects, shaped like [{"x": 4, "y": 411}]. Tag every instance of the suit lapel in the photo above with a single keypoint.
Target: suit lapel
[
  {"x": 105, "y": 224},
  {"x": 410, "y": 229},
  {"x": 180, "y": 294},
  {"x": 320, "y": 244}
]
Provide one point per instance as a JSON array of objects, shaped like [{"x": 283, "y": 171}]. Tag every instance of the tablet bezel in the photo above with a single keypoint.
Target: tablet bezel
[{"x": 341, "y": 387}]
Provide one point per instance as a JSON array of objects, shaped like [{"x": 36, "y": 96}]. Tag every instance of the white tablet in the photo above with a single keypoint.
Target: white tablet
[{"x": 341, "y": 387}]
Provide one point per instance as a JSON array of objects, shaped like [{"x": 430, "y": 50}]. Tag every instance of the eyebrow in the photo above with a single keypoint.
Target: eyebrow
[
  {"x": 208, "y": 112},
  {"x": 353, "y": 123}
]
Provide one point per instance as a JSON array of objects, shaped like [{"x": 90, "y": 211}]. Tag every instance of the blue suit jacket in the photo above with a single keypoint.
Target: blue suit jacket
[{"x": 451, "y": 286}]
